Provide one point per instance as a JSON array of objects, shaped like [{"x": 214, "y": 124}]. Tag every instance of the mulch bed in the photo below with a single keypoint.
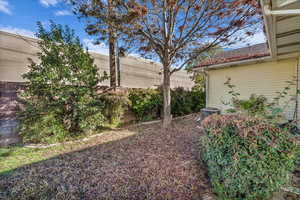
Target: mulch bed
[{"x": 139, "y": 162}]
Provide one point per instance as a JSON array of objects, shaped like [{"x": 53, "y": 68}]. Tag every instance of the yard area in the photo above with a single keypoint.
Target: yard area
[{"x": 136, "y": 162}]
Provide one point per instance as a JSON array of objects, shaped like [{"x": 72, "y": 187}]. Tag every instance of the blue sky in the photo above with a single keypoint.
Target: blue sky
[{"x": 20, "y": 17}]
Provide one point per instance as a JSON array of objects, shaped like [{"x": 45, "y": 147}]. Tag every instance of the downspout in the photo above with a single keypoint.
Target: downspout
[{"x": 206, "y": 86}]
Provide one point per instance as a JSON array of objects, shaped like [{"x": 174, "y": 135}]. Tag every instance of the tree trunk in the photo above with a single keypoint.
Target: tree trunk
[
  {"x": 112, "y": 61},
  {"x": 118, "y": 65},
  {"x": 167, "y": 117},
  {"x": 112, "y": 50}
]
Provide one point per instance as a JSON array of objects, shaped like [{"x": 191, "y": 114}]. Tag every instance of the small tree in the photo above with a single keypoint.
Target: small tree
[
  {"x": 61, "y": 90},
  {"x": 175, "y": 32}
]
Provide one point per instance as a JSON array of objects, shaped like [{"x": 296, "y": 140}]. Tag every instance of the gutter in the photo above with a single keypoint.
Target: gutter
[
  {"x": 247, "y": 62},
  {"x": 291, "y": 12},
  {"x": 236, "y": 63},
  {"x": 270, "y": 22}
]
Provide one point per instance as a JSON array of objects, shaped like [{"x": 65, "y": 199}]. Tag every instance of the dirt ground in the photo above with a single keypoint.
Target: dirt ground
[{"x": 137, "y": 162}]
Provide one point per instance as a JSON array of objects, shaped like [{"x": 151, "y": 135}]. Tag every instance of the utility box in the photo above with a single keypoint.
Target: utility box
[{"x": 205, "y": 112}]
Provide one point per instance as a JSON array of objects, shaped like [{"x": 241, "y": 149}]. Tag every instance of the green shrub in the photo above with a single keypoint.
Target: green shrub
[
  {"x": 247, "y": 158},
  {"x": 199, "y": 99},
  {"x": 147, "y": 104},
  {"x": 115, "y": 106},
  {"x": 255, "y": 105},
  {"x": 181, "y": 103},
  {"x": 186, "y": 102},
  {"x": 61, "y": 92}
]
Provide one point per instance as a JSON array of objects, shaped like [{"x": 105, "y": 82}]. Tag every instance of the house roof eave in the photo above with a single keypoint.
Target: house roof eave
[
  {"x": 281, "y": 20},
  {"x": 248, "y": 62},
  {"x": 235, "y": 63}
]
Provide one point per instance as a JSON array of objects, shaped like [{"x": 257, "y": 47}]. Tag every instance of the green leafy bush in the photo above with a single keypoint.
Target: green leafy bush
[
  {"x": 255, "y": 105},
  {"x": 186, "y": 102},
  {"x": 147, "y": 104},
  {"x": 181, "y": 103},
  {"x": 61, "y": 92},
  {"x": 115, "y": 105},
  {"x": 198, "y": 97},
  {"x": 248, "y": 158}
]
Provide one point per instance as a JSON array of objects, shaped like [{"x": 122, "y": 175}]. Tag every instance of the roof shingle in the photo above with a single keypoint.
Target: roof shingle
[{"x": 245, "y": 53}]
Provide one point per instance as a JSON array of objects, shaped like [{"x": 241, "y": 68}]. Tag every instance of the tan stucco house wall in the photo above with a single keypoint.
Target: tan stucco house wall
[{"x": 265, "y": 78}]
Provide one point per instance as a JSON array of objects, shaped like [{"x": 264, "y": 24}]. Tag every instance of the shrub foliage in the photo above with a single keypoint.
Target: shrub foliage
[
  {"x": 255, "y": 105},
  {"x": 248, "y": 158},
  {"x": 186, "y": 102},
  {"x": 147, "y": 104},
  {"x": 115, "y": 105},
  {"x": 60, "y": 95}
]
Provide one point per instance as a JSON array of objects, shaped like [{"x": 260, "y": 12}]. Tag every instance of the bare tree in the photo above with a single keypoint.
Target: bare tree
[{"x": 175, "y": 32}]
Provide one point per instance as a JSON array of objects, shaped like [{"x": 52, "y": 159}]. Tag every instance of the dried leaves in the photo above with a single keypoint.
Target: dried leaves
[{"x": 143, "y": 162}]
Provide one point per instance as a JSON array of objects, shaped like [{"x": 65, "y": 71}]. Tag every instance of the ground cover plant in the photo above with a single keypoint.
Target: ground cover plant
[
  {"x": 16, "y": 156},
  {"x": 248, "y": 158}
]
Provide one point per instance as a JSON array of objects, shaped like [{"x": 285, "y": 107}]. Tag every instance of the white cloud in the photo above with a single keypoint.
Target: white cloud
[
  {"x": 63, "y": 13},
  {"x": 48, "y": 3},
  {"x": 18, "y": 31},
  {"x": 99, "y": 48},
  {"x": 257, "y": 38},
  {"x": 4, "y": 7}
]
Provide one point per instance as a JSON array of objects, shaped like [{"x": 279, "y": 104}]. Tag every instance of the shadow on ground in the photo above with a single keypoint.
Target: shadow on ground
[{"x": 151, "y": 164}]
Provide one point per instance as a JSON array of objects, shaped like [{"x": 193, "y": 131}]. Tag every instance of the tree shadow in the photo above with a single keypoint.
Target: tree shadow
[{"x": 151, "y": 164}]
